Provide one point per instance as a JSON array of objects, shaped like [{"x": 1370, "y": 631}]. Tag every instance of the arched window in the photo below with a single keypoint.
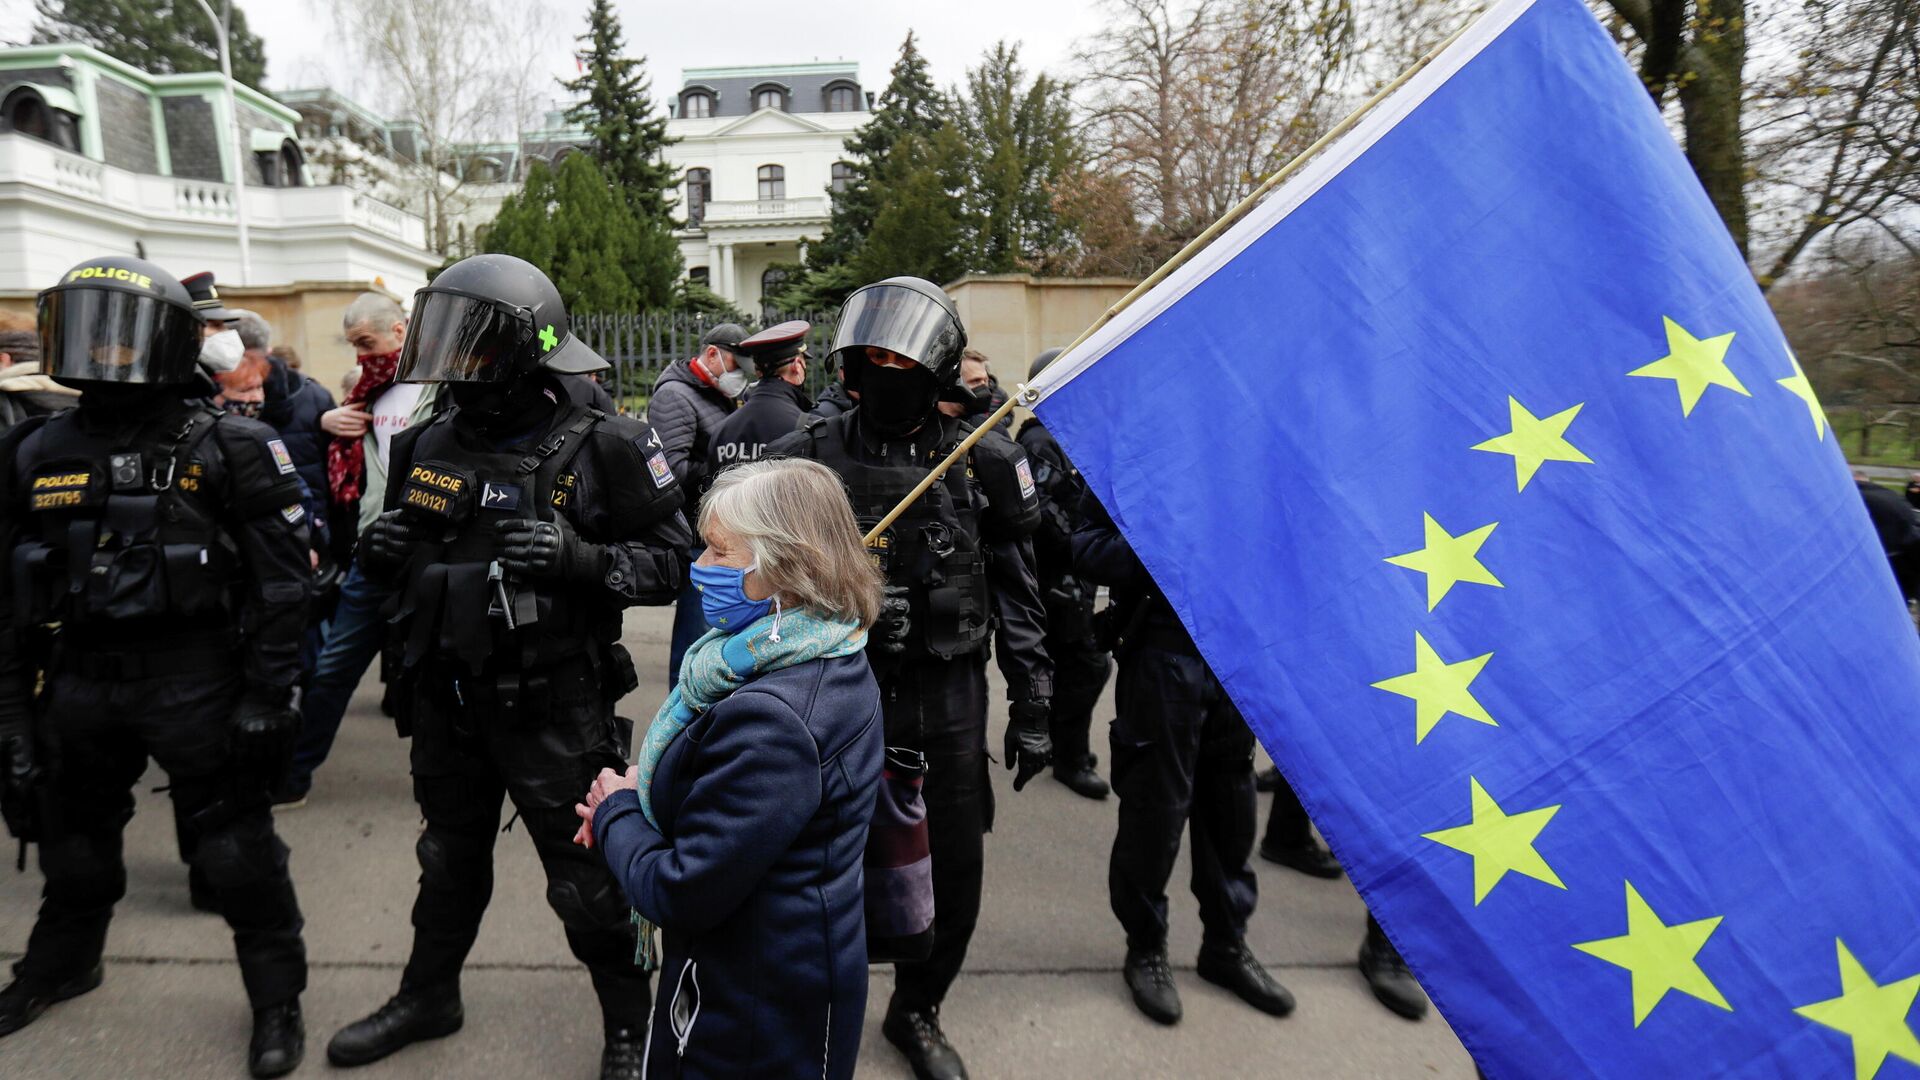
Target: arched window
[
  {"x": 842, "y": 177},
  {"x": 771, "y": 282},
  {"x": 773, "y": 182},
  {"x": 769, "y": 99},
  {"x": 29, "y": 113},
  {"x": 697, "y": 106},
  {"x": 699, "y": 194},
  {"x": 843, "y": 99}
]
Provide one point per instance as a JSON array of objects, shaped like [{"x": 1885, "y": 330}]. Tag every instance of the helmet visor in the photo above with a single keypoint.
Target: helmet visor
[
  {"x": 457, "y": 338},
  {"x": 114, "y": 336},
  {"x": 899, "y": 320}
]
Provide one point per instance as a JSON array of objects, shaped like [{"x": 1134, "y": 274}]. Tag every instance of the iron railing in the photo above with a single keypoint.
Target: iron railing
[{"x": 641, "y": 345}]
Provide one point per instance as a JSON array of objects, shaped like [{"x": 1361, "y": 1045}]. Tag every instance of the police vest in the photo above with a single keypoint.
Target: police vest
[
  {"x": 933, "y": 548},
  {"x": 117, "y": 526},
  {"x": 457, "y": 603}
]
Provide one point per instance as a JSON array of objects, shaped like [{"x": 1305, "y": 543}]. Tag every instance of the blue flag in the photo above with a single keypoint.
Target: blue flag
[{"x": 1482, "y": 475}]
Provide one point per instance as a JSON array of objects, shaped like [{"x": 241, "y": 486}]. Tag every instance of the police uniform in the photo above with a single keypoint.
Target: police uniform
[
  {"x": 774, "y": 407},
  {"x": 512, "y": 667},
  {"x": 159, "y": 582},
  {"x": 958, "y": 565},
  {"x": 1080, "y": 665},
  {"x": 1182, "y": 762}
]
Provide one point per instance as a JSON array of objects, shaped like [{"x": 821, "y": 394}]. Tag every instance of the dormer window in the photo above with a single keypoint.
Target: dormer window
[
  {"x": 841, "y": 95},
  {"x": 770, "y": 95},
  {"x": 44, "y": 112},
  {"x": 697, "y": 106}
]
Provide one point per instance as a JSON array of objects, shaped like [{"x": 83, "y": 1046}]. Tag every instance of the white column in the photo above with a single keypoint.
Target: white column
[{"x": 723, "y": 282}]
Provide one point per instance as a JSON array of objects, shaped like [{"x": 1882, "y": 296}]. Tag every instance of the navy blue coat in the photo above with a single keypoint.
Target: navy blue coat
[
  {"x": 755, "y": 876},
  {"x": 293, "y": 408}
]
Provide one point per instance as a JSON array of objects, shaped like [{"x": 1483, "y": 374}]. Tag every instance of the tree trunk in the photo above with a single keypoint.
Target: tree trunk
[{"x": 1710, "y": 88}]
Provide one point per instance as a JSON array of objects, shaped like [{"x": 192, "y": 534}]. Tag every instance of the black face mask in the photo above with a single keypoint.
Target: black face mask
[
  {"x": 108, "y": 397},
  {"x": 979, "y": 400},
  {"x": 896, "y": 401},
  {"x": 249, "y": 409},
  {"x": 502, "y": 408}
]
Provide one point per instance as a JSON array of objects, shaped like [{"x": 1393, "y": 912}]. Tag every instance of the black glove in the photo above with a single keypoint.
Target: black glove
[
  {"x": 392, "y": 537},
  {"x": 549, "y": 549},
  {"x": 889, "y": 633},
  {"x": 263, "y": 729},
  {"x": 19, "y": 779},
  {"x": 1029, "y": 742}
]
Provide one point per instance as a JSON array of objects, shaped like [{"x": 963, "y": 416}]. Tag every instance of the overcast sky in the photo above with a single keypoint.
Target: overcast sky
[{"x": 708, "y": 33}]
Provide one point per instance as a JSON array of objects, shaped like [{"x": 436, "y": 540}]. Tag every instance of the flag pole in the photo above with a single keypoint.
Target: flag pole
[{"x": 1025, "y": 395}]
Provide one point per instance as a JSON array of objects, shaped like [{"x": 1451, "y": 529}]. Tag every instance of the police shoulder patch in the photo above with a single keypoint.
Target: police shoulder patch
[
  {"x": 1025, "y": 472},
  {"x": 662, "y": 472},
  {"x": 281, "y": 459},
  {"x": 294, "y": 514}
]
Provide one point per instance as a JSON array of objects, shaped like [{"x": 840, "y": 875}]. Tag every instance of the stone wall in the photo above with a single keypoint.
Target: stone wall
[
  {"x": 126, "y": 126},
  {"x": 1013, "y": 318},
  {"x": 192, "y": 141}
]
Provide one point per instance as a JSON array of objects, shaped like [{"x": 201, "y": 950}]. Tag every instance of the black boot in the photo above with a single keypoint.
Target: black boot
[
  {"x": 22, "y": 1002},
  {"x": 1234, "y": 968},
  {"x": 626, "y": 1050},
  {"x": 1306, "y": 855},
  {"x": 410, "y": 1017},
  {"x": 917, "y": 1035},
  {"x": 279, "y": 1040},
  {"x": 1077, "y": 773},
  {"x": 199, "y": 893},
  {"x": 1387, "y": 974},
  {"x": 1150, "y": 978}
]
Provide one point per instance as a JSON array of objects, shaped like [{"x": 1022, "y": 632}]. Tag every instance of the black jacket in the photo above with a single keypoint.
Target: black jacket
[
  {"x": 1061, "y": 491},
  {"x": 686, "y": 412},
  {"x": 1102, "y": 555},
  {"x": 834, "y": 400},
  {"x": 1892, "y": 518},
  {"x": 755, "y": 875},
  {"x": 774, "y": 407},
  {"x": 293, "y": 409}
]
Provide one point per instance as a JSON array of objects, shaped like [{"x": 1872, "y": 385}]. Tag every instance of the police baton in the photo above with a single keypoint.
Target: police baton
[{"x": 1026, "y": 394}]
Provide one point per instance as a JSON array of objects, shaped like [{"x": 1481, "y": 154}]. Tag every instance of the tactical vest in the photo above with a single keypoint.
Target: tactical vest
[
  {"x": 933, "y": 548},
  {"x": 118, "y": 527},
  {"x": 457, "y": 603}
]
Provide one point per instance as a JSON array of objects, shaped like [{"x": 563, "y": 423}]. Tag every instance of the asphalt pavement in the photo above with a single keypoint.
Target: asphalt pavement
[{"x": 1041, "y": 996}]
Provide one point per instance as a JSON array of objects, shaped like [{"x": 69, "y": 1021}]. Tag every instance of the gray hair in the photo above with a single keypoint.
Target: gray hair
[
  {"x": 371, "y": 309},
  {"x": 794, "y": 517},
  {"x": 255, "y": 332}
]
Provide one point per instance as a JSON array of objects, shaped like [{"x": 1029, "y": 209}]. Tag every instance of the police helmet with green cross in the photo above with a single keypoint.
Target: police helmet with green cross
[{"x": 491, "y": 318}]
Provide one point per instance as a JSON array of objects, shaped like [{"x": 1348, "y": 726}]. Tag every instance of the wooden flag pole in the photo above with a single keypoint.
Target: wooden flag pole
[{"x": 1025, "y": 395}]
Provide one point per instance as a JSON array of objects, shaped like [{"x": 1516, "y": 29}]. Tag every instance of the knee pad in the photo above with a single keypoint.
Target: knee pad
[
  {"x": 587, "y": 902},
  {"x": 239, "y": 854}
]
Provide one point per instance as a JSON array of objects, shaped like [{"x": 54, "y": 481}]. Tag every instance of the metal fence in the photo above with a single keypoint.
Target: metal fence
[{"x": 640, "y": 346}]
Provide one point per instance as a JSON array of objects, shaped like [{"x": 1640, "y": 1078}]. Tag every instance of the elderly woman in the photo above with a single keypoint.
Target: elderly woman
[{"x": 741, "y": 830}]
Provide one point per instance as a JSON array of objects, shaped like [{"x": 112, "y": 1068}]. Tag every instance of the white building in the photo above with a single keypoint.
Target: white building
[
  {"x": 97, "y": 157},
  {"x": 760, "y": 149}
]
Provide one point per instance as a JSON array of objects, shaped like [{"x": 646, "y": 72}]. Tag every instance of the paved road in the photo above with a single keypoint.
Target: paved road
[{"x": 1042, "y": 995}]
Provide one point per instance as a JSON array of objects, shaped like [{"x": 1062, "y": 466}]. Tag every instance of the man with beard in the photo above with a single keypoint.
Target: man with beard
[
  {"x": 958, "y": 558},
  {"x": 517, "y": 526},
  {"x": 160, "y": 581}
]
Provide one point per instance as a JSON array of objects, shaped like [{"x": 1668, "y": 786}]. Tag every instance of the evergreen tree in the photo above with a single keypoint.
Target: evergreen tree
[
  {"x": 615, "y": 106},
  {"x": 910, "y": 105},
  {"x": 578, "y": 228},
  {"x": 921, "y": 227},
  {"x": 1023, "y": 148},
  {"x": 157, "y": 36}
]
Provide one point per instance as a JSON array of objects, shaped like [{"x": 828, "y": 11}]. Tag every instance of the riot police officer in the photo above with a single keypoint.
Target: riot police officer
[
  {"x": 518, "y": 525},
  {"x": 775, "y": 405},
  {"x": 159, "y": 585},
  {"x": 1182, "y": 756},
  {"x": 958, "y": 565},
  {"x": 1080, "y": 665}
]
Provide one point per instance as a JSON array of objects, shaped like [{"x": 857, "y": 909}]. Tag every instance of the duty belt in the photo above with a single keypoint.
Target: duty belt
[{"x": 145, "y": 664}]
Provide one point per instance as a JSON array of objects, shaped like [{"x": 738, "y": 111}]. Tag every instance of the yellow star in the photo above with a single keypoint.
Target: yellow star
[
  {"x": 1499, "y": 842},
  {"x": 1873, "y": 1016},
  {"x": 1802, "y": 387},
  {"x": 1449, "y": 560},
  {"x": 1661, "y": 957},
  {"x": 1438, "y": 688},
  {"x": 1534, "y": 442},
  {"x": 1693, "y": 364}
]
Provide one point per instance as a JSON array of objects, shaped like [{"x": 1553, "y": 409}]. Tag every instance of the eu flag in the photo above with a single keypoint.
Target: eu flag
[{"x": 1482, "y": 475}]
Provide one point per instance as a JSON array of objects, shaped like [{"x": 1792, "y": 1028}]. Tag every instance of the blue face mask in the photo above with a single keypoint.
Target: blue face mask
[{"x": 723, "y": 597}]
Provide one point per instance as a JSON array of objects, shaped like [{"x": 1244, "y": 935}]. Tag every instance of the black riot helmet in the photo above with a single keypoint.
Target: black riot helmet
[
  {"x": 1040, "y": 363},
  {"x": 117, "y": 321},
  {"x": 491, "y": 319},
  {"x": 908, "y": 316}
]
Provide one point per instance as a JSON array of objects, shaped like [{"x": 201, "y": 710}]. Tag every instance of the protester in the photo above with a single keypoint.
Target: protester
[
  {"x": 519, "y": 525},
  {"x": 189, "y": 661},
  {"x": 690, "y": 400},
  {"x": 775, "y": 404},
  {"x": 743, "y": 839},
  {"x": 24, "y": 390},
  {"x": 979, "y": 392},
  {"x": 362, "y": 428},
  {"x": 959, "y": 571},
  {"x": 1898, "y": 526},
  {"x": 286, "y": 355},
  {"x": 292, "y": 405}
]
